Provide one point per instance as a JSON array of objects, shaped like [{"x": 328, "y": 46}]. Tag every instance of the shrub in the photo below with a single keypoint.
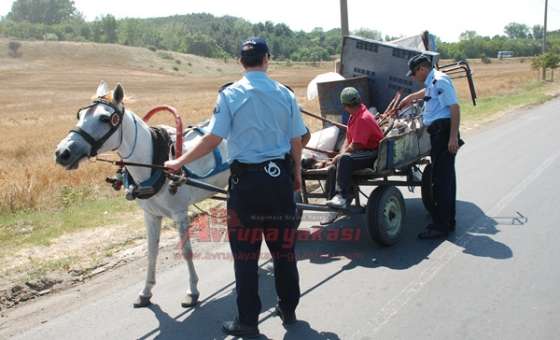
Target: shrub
[
  {"x": 50, "y": 37},
  {"x": 165, "y": 56},
  {"x": 14, "y": 47},
  {"x": 175, "y": 68},
  {"x": 178, "y": 62},
  {"x": 485, "y": 60},
  {"x": 152, "y": 48}
]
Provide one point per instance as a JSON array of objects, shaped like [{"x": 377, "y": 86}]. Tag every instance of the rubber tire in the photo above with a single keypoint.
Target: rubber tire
[
  {"x": 299, "y": 212},
  {"x": 427, "y": 189},
  {"x": 375, "y": 213}
]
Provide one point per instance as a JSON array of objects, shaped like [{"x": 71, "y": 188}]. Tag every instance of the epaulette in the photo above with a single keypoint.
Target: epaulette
[
  {"x": 225, "y": 86},
  {"x": 289, "y": 88}
]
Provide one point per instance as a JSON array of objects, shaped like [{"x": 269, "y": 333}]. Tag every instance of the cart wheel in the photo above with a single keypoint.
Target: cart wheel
[
  {"x": 299, "y": 212},
  {"x": 427, "y": 189},
  {"x": 385, "y": 214}
]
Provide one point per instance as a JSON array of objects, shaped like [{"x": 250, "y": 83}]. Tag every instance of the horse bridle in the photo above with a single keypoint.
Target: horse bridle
[{"x": 115, "y": 121}]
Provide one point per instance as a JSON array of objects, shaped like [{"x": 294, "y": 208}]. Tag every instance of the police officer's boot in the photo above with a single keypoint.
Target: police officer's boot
[
  {"x": 236, "y": 328},
  {"x": 288, "y": 318}
]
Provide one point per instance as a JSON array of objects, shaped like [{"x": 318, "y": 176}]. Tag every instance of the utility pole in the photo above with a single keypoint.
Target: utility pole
[
  {"x": 544, "y": 36},
  {"x": 344, "y": 17}
]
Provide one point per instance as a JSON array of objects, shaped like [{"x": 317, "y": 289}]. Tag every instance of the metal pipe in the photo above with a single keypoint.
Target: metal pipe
[
  {"x": 544, "y": 36},
  {"x": 341, "y": 126},
  {"x": 178, "y": 125},
  {"x": 177, "y": 179},
  {"x": 344, "y": 18},
  {"x": 140, "y": 165},
  {"x": 328, "y": 153}
]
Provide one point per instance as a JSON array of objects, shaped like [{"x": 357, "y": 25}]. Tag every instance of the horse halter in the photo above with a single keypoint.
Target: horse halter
[{"x": 114, "y": 120}]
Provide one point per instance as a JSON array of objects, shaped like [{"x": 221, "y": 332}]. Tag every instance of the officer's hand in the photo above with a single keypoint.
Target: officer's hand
[
  {"x": 407, "y": 101},
  {"x": 174, "y": 165},
  {"x": 453, "y": 145},
  {"x": 336, "y": 158},
  {"x": 297, "y": 182}
]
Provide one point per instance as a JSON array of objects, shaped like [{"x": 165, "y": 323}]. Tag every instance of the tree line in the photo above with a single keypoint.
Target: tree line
[
  {"x": 219, "y": 37},
  {"x": 522, "y": 40}
]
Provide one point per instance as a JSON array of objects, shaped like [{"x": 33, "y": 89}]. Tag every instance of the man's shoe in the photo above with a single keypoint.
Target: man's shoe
[
  {"x": 432, "y": 234},
  {"x": 329, "y": 218},
  {"x": 337, "y": 202},
  {"x": 236, "y": 328},
  {"x": 288, "y": 318}
]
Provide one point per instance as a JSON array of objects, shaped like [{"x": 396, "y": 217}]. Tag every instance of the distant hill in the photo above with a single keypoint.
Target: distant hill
[{"x": 86, "y": 55}]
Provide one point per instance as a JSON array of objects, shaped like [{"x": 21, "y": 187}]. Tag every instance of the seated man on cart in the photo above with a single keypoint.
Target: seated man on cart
[{"x": 358, "y": 152}]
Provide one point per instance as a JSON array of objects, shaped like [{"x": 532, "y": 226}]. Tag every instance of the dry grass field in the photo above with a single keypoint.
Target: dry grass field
[
  {"x": 40, "y": 93},
  {"x": 43, "y": 227}
]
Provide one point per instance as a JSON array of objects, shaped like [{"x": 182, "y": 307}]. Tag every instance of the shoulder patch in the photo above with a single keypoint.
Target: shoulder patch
[{"x": 225, "y": 86}]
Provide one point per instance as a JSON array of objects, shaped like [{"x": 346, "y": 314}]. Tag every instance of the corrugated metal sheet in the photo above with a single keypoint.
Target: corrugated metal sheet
[{"x": 384, "y": 64}]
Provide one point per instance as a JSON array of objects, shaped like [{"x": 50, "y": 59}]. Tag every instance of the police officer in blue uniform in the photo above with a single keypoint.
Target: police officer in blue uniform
[
  {"x": 262, "y": 123},
  {"x": 442, "y": 117}
]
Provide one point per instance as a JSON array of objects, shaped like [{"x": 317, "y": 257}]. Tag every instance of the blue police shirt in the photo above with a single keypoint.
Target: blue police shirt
[
  {"x": 440, "y": 95},
  {"x": 258, "y": 117}
]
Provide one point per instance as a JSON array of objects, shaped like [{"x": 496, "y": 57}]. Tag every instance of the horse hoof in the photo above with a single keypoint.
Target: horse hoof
[
  {"x": 190, "y": 300},
  {"x": 142, "y": 302}
]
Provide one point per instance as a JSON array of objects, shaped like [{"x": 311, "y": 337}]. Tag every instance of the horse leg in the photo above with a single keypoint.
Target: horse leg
[
  {"x": 153, "y": 229},
  {"x": 193, "y": 294}
]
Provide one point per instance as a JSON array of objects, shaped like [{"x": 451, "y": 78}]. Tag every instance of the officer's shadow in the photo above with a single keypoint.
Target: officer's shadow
[
  {"x": 473, "y": 234},
  {"x": 205, "y": 320}
]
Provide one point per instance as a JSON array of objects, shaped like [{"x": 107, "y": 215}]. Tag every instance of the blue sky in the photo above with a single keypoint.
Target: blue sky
[{"x": 445, "y": 18}]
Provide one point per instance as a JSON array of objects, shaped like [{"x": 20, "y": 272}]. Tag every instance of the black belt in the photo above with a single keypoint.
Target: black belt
[
  {"x": 443, "y": 126},
  {"x": 237, "y": 167}
]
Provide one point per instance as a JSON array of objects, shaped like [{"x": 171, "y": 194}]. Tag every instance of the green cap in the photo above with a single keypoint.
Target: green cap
[{"x": 350, "y": 96}]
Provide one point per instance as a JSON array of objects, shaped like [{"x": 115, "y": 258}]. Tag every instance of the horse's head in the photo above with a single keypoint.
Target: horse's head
[{"x": 96, "y": 129}]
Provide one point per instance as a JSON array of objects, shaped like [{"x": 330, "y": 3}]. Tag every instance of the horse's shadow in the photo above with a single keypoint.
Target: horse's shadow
[{"x": 473, "y": 233}]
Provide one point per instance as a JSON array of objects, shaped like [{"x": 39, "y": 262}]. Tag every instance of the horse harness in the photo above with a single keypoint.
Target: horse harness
[
  {"x": 114, "y": 120},
  {"x": 161, "y": 142}
]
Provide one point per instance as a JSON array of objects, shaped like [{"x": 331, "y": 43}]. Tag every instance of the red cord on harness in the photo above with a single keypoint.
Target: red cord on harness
[{"x": 178, "y": 125}]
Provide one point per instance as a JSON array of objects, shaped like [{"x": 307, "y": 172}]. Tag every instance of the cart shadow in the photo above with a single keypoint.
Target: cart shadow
[
  {"x": 205, "y": 320},
  {"x": 473, "y": 233}
]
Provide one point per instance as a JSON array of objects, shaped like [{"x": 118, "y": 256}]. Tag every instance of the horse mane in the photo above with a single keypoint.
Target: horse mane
[{"x": 109, "y": 97}]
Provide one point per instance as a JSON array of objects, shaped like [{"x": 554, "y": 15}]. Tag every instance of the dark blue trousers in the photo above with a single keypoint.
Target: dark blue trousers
[
  {"x": 261, "y": 206},
  {"x": 443, "y": 176}
]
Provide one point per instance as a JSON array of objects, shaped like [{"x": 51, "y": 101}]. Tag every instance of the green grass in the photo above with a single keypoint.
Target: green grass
[
  {"x": 533, "y": 93},
  {"x": 28, "y": 228}
]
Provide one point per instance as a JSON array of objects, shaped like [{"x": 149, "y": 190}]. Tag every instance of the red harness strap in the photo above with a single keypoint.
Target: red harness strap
[{"x": 178, "y": 125}]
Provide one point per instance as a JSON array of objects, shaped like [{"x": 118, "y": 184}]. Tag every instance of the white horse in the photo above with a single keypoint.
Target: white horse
[{"x": 107, "y": 126}]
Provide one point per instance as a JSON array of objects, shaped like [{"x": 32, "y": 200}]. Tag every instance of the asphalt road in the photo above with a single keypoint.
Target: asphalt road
[{"x": 496, "y": 278}]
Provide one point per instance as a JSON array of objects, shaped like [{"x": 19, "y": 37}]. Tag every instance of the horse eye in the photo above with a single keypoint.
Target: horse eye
[{"x": 105, "y": 118}]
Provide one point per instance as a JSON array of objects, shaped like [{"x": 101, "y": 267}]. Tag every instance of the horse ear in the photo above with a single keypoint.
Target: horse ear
[
  {"x": 118, "y": 94},
  {"x": 102, "y": 89}
]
